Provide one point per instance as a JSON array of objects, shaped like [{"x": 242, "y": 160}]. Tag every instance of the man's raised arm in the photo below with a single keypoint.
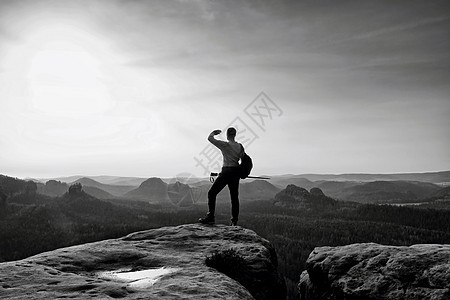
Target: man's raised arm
[{"x": 213, "y": 140}]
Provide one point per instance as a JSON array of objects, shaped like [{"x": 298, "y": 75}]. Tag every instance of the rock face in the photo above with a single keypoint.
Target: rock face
[
  {"x": 372, "y": 271},
  {"x": 299, "y": 198},
  {"x": 75, "y": 189},
  {"x": 87, "y": 271}
]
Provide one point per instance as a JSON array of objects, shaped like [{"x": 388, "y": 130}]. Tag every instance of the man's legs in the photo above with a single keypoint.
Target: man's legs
[
  {"x": 233, "y": 186},
  {"x": 215, "y": 189}
]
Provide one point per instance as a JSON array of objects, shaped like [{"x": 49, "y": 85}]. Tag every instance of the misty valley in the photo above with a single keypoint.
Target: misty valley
[{"x": 295, "y": 213}]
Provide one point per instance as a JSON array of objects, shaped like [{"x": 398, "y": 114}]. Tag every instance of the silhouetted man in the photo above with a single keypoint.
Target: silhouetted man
[{"x": 232, "y": 151}]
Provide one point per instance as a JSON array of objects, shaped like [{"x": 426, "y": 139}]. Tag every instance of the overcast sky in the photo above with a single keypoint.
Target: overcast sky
[{"x": 133, "y": 88}]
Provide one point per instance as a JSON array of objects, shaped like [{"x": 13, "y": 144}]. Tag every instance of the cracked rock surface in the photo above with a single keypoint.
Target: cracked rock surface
[
  {"x": 372, "y": 271},
  {"x": 74, "y": 272}
]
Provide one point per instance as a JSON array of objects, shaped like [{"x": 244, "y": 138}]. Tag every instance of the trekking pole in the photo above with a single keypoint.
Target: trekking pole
[
  {"x": 258, "y": 177},
  {"x": 211, "y": 177}
]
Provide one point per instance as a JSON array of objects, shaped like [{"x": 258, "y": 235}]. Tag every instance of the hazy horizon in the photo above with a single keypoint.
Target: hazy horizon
[
  {"x": 133, "y": 88},
  {"x": 104, "y": 178}
]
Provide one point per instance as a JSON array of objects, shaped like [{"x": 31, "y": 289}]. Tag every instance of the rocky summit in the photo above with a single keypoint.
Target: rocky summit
[
  {"x": 164, "y": 263},
  {"x": 371, "y": 271},
  {"x": 299, "y": 198}
]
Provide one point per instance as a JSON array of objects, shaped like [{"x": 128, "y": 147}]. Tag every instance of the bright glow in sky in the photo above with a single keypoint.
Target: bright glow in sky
[
  {"x": 64, "y": 74},
  {"x": 133, "y": 88}
]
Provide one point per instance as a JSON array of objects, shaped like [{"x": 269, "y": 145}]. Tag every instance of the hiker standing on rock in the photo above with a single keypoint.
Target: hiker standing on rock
[{"x": 232, "y": 151}]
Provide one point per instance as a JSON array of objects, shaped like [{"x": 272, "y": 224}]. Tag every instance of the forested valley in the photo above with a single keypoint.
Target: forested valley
[{"x": 31, "y": 223}]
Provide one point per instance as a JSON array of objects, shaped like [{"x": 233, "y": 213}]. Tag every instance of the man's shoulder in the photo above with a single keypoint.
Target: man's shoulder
[
  {"x": 218, "y": 143},
  {"x": 237, "y": 147}
]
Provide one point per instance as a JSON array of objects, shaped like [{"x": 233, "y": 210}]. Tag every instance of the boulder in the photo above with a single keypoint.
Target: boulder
[
  {"x": 371, "y": 271},
  {"x": 164, "y": 263}
]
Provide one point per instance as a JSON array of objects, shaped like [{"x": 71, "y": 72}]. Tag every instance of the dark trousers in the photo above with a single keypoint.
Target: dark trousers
[{"x": 229, "y": 176}]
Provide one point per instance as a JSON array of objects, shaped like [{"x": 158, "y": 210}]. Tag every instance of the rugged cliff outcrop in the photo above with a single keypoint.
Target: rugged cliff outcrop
[
  {"x": 164, "y": 263},
  {"x": 372, "y": 271},
  {"x": 299, "y": 198}
]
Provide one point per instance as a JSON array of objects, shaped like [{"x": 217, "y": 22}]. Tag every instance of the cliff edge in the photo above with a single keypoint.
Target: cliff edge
[
  {"x": 164, "y": 263},
  {"x": 371, "y": 271}
]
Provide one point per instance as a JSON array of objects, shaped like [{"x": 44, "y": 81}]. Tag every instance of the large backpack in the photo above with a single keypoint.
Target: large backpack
[{"x": 246, "y": 165}]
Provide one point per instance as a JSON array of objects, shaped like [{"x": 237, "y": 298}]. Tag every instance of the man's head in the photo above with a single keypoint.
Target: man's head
[{"x": 231, "y": 133}]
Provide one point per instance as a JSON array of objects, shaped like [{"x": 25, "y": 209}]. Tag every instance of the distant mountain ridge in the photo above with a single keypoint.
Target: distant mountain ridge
[
  {"x": 357, "y": 189},
  {"x": 185, "y": 191},
  {"x": 115, "y": 190},
  {"x": 379, "y": 191},
  {"x": 432, "y": 177},
  {"x": 55, "y": 188},
  {"x": 389, "y": 191},
  {"x": 257, "y": 190},
  {"x": 153, "y": 190}
]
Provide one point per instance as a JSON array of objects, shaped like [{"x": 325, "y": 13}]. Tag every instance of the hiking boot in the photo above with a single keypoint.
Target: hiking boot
[{"x": 210, "y": 220}]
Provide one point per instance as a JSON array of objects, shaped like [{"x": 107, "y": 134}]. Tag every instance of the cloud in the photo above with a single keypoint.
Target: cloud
[
  {"x": 352, "y": 75},
  {"x": 401, "y": 27}
]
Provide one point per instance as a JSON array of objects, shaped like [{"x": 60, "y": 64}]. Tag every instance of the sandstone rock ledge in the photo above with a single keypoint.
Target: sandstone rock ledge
[
  {"x": 74, "y": 272},
  {"x": 372, "y": 271}
]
